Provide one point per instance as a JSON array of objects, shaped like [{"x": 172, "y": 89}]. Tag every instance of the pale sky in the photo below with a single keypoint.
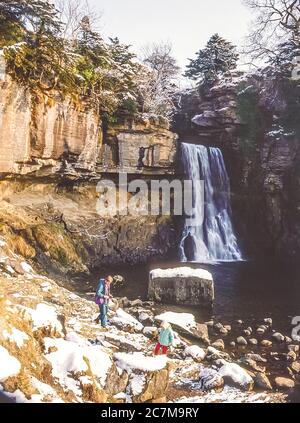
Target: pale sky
[{"x": 187, "y": 24}]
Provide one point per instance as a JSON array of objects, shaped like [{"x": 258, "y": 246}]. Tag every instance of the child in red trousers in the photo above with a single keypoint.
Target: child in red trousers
[{"x": 166, "y": 339}]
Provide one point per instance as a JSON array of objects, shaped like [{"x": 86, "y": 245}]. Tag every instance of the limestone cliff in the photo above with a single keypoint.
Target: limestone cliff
[
  {"x": 42, "y": 136},
  {"x": 56, "y": 152}
]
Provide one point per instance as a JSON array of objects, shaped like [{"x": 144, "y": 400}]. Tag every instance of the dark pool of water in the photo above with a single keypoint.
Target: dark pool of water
[{"x": 245, "y": 290}]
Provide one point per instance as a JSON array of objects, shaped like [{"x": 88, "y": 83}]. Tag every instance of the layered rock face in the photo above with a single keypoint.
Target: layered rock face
[
  {"x": 44, "y": 137},
  {"x": 58, "y": 151},
  {"x": 123, "y": 144},
  {"x": 243, "y": 116},
  {"x": 38, "y": 137}
]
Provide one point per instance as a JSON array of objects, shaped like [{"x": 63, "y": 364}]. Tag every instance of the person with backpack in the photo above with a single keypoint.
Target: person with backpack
[
  {"x": 103, "y": 296},
  {"x": 166, "y": 339}
]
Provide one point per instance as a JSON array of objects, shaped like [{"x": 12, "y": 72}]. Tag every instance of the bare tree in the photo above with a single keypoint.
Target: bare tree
[
  {"x": 73, "y": 14},
  {"x": 159, "y": 57},
  {"x": 158, "y": 79},
  {"x": 276, "y": 21}
]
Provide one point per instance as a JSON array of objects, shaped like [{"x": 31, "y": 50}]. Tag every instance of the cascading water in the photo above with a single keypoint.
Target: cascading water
[{"x": 215, "y": 239}]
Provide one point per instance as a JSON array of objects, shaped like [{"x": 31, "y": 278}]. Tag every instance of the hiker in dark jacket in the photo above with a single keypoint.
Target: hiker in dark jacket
[{"x": 103, "y": 296}]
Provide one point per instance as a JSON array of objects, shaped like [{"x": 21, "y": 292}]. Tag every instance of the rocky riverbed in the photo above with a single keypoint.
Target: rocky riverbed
[{"x": 55, "y": 351}]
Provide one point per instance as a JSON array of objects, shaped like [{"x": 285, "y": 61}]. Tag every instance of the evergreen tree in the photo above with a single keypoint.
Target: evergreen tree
[
  {"x": 286, "y": 56},
  {"x": 218, "y": 57},
  {"x": 22, "y": 18},
  {"x": 34, "y": 51}
]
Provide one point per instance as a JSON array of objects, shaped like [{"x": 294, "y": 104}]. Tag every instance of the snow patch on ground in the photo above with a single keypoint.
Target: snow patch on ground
[
  {"x": 15, "y": 336},
  {"x": 9, "y": 365},
  {"x": 124, "y": 319},
  {"x": 138, "y": 361},
  {"x": 44, "y": 316},
  {"x": 70, "y": 359}
]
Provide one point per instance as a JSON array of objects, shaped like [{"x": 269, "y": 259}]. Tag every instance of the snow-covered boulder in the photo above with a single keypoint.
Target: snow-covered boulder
[
  {"x": 182, "y": 285},
  {"x": 197, "y": 353},
  {"x": 234, "y": 374},
  {"x": 185, "y": 324},
  {"x": 125, "y": 321},
  {"x": 148, "y": 376}
]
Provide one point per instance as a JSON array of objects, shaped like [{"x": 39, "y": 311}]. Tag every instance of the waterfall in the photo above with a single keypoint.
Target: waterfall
[{"x": 215, "y": 239}]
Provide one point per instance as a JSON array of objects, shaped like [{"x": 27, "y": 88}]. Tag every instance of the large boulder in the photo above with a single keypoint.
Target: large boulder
[
  {"x": 186, "y": 325},
  {"x": 148, "y": 376},
  {"x": 234, "y": 375},
  {"x": 184, "y": 285}
]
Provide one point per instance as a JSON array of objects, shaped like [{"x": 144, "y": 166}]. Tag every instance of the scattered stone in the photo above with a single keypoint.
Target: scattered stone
[
  {"x": 256, "y": 357},
  {"x": 253, "y": 341},
  {"x": 284, "y": 383},
  {"x": 213, "y": 354},
  {"x": 210, "y": 380},
  {"x": 268, "y": 322},
  {"x": 291, "y": 356},
  {"x": 266, "y": 344},
  {"x": 261, "y": 381},
  {"x": 210, "y": 324},
  {"x": 239, "y": 322},
  {"x": 197, "y": 353},
  {"x": 219, "y": 363},
  {"x": 150, "y": 331},
  {"x": 118, "y": 281},
  {"x": 296, "y": 367},
  {"x": 278, "y": 337},
  {"x": 261, "y": 330},
  {"x": 136, "y": 303},
  {"x": 232, "y": 344},
  {"x": 218, "y": 327},
  {"x": 291, "y": 373},
  {"x": 123, "y": 302},
  {"x": 247, "y": 332},
  {"x": 146, "y": 318},
  {"x": 251, "y": 364},
  {"x": 228, "y": 328},
  {"x": 294, "y": 348},
  {"x": 241, "y": 341},
  {"x": 223, "y": 331},
  {"x": 219, "y": 344},
  {"x": 235, "y": 375}
]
